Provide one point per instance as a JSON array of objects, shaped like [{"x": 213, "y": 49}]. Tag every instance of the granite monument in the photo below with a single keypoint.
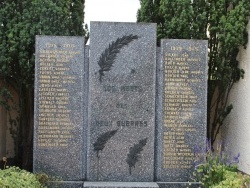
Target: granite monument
[{"x": 120, "y": 112}]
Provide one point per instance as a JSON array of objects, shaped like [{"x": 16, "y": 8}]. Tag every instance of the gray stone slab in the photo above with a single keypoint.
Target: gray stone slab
[
  {"x": 85, "y": 104},
  {"x": 59, "y": 88},
  {"x": 120, "y": 185},
  {"x": 121, "y": 102},
  {"x": 181, "y": 108}
]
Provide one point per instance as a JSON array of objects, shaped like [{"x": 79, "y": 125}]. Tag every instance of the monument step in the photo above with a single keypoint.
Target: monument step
[
  {"x": 120, "y": 185},
  {"x": 65, "y": 184},
  {"x": 179, "y": 185}
]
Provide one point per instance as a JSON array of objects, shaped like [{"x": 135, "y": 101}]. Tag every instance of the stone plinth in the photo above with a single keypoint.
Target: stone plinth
[
  {"x": 65, "y": 184},
  {"x": 120, "y": 185}
]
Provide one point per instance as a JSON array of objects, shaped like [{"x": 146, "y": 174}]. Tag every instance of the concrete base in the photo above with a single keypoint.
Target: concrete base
[
  {"x": 88, "y": 184},
  {"x": 120, "y": 185},
  {"x": 179, "y": 184},
  {"x": 65, "y": 184}
]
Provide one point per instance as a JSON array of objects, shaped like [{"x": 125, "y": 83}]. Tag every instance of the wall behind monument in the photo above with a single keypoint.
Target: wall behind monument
[
  {"x": 3, "y": 123},
  {"x": 236, "y": 129},
  {"x": 6, "y": 140}
]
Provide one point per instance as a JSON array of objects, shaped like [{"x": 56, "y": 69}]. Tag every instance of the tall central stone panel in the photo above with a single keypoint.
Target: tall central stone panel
[{"x": 121, "y": 110}]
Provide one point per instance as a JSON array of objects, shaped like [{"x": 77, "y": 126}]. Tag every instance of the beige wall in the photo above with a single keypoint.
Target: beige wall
[
  {"x": 237, "y": 126},
  {"x": 6, "y": 141}
]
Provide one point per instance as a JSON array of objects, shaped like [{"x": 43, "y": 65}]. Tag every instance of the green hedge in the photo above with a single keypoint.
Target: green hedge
[{"x": 14, "y": 177}]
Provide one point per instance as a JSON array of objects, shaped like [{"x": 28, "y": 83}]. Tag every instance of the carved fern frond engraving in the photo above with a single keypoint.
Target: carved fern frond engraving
[
  {"x": 134, "y": 153},
  {"x": 107, "y": 58},
  {"x": 102, "y": 140}
]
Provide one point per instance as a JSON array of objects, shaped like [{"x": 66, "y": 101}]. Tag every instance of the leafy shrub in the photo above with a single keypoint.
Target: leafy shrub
[
  {"x": 220, "y": 170},
  {"x": 234, "y": 180},
  {"x": 43, "y": 178},
  {"x": 14, "y": 177}
]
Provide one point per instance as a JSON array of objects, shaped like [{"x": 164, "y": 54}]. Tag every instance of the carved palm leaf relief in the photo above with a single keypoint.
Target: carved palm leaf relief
[
  {"x": 107, "y": 58},
  {"x": 134, "y": 153},
  {"x": 102, "y": 140}
]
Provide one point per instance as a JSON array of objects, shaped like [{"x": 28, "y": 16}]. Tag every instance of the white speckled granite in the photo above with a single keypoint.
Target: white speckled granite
[
  {"x": 59, "y": 90},
  {"x": 181, "y": 108},
  {"x": 123, "y": 100}
]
